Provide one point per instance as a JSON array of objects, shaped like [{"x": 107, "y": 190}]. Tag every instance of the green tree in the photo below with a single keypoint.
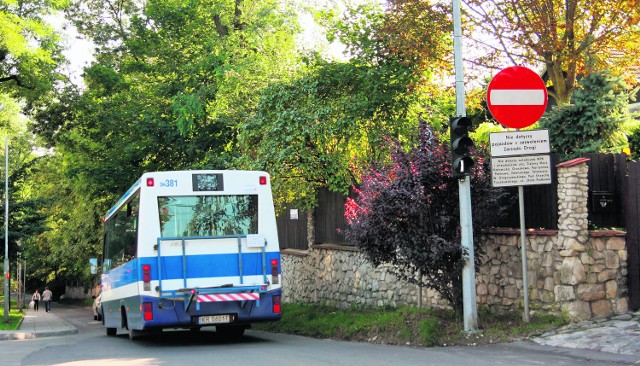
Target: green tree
[
  {"x": 419, "y": 33},
  {"x": 319, "y": 129},
  {"x": 568, "y": 38},
  {"x": 30, "y": 55},
  {"x": 73, "y": 229},
  {"x": 170, "y": 83},
  {"x": 316, "y": 131},
  {"x": 634, "y": 144},
  {"x": 598, "y": 109},
  {"x": 26, "y": 218},
  {"x": 29, "y": 49}
]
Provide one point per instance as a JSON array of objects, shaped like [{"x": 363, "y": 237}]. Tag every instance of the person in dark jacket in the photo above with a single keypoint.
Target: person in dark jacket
[{"x": 36, "y": 300}]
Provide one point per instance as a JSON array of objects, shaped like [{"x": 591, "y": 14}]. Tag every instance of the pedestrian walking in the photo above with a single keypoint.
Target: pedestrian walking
[
  {"x": 46, "y": 297},
  {"x": 36, "y": 300}
]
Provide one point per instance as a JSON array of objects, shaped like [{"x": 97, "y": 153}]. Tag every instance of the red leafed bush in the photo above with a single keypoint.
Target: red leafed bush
[{"x": 406, "y": 214}]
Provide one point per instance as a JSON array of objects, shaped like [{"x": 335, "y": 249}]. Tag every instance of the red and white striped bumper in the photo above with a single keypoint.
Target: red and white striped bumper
[{"x": 239, "y": 296}]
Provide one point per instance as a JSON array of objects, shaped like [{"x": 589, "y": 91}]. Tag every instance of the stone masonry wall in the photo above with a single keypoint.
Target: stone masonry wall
[
  {"x": 588, "y": 284},
  {"x": 341, "y": 276},
  {"x": 571, "y": 270},
  {"x": 592, "y": 273}
]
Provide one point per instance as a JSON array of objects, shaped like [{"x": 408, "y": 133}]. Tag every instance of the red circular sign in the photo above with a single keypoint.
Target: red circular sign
[{"x": 517, "y": 97}]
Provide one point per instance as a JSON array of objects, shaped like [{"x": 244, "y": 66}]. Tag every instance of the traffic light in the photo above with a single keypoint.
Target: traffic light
[{"x": 461, "y": 144}]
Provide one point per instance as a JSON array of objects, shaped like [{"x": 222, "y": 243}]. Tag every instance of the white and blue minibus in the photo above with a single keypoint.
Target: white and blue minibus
[{"x": 189, "y": 249}]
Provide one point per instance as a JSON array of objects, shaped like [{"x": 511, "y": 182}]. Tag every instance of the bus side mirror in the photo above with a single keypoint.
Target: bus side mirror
[{"x": 93, "y": 265}]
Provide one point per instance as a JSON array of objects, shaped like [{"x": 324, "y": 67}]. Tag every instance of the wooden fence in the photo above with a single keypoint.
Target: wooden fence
[
  {"x": 607, "y": 206},
  {"x": 632, "y": 210},
  {"x": 606, "y": 203}
]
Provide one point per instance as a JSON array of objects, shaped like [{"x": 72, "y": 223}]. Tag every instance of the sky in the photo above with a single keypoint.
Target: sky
[{"x": 78, "y": 50}]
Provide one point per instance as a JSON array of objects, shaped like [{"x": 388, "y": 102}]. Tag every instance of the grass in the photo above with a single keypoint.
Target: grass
[
  {"x": 402, "y": 326},
  {"x": 15, "y": 317},
  {"x": 406, "y": 326}
]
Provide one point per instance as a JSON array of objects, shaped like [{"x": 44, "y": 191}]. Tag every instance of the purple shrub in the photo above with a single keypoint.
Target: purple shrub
[{"x": 407, "y": 214}]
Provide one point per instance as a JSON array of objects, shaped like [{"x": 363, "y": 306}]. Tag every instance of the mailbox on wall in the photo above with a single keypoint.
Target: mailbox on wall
[{"x": 603, "y": 201}]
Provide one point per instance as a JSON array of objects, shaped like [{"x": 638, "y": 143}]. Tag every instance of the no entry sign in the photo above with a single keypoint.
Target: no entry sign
[{"x": 517, "y": 97}]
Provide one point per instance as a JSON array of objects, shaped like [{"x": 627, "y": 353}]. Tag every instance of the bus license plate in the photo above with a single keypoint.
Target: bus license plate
[{"x": 214, "y": 319}]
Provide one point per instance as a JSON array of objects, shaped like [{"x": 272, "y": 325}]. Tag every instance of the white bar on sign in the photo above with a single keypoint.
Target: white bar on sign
[{"x": 516, "y": 97}]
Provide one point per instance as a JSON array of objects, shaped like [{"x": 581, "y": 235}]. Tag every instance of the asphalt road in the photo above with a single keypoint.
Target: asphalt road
[{"x": 91, "y": 346}]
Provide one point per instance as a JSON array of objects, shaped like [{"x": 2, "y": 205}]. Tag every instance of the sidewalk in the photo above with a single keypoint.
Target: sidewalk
[
  {"x": 618, "y": 335},
  {"x": 38, "y": 324}
]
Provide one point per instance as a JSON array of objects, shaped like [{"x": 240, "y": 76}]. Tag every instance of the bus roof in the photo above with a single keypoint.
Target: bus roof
[
  {"x": 138, "y": 184},
  {"x": 122, "y": 199}
]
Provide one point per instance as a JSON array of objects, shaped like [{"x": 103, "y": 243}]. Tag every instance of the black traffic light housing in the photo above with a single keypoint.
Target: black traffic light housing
[{"x": 461, "y": 145}]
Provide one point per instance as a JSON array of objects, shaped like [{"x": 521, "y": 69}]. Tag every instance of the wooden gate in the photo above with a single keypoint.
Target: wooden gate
[
  {"x": 292, "y": 228},
  {"x": 632, "y": 208}
]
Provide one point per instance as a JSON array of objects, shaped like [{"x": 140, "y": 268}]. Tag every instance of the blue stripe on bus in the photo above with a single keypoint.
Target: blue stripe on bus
[{"x": 198, "y": 266}]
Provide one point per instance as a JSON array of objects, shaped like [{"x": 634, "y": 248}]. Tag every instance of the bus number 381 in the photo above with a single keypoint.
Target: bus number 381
[{"x": 169, "y": 183}]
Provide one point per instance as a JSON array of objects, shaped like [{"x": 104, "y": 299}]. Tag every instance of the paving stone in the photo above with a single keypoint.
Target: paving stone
[{"x": 619, "y": 334}]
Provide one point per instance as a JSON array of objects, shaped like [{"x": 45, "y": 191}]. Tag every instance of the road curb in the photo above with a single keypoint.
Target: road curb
[{"x": 11, "y": 336}]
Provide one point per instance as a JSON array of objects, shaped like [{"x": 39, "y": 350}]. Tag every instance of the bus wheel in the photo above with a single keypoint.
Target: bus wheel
[
  {"x": 112, "y": 331},
  {"x": 134, "y": 334}
]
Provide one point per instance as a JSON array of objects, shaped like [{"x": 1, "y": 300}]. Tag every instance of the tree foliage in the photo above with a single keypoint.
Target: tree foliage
[
  {"x": 419, "y": 34},
  {"x": 170, "y": 84},
  {"x": 26, "y": 217},
  {"x": 317, "y": 130},
  {"x": 406, "y": 214},
  {"x": 634, "y": 144},
  {"x": 568, "y": 38},
  {"x": 598, "y": 108},
  {"x": 29, "y": 49},
  {"x": 30, "y": 55},
  {"x": 73, "y": 232}
]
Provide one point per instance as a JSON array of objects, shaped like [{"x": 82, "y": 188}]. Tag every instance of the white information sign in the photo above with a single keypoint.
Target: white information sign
[
  {"x": 256, "y": 241},
  {"x": 519, "y": 143},
  {"x": 521, "y": 170}
]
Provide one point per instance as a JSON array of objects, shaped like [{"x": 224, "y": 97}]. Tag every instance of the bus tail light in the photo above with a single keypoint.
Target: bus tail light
[
  {"x": 150, "y": 182},
  {"x": 276, "y": 304},
  {"x": 275, "y": 279},
  {"x": 263, "y": 180},
  {"x": 146, "y": 277},
  {"x": 147, "y": 311}
]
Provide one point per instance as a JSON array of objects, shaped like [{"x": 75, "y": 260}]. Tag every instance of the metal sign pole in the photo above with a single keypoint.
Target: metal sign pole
[
  {"x": 523, "y": 251},
  {"x": 18, "y": 271},
  {"x": 7, "y": 294},
  {"x": 24, "y": 280},
  {"x": 517, "y": 97},
  {"x": 470, "y": 311}
]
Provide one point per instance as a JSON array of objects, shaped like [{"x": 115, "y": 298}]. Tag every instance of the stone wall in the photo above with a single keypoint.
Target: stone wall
[
  {"x": 341, "y": 276},
  {"x": 570, "y": 270},
  {"x": 73, "y": 291},
  {"x": 585, "y": 283}
]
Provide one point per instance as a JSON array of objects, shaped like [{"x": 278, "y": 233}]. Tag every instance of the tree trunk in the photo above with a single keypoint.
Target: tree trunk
[{"x": 563, "y": 84}]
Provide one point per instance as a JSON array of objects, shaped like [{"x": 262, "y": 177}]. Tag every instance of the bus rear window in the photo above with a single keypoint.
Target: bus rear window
[{"x": 182, "y": 216}]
